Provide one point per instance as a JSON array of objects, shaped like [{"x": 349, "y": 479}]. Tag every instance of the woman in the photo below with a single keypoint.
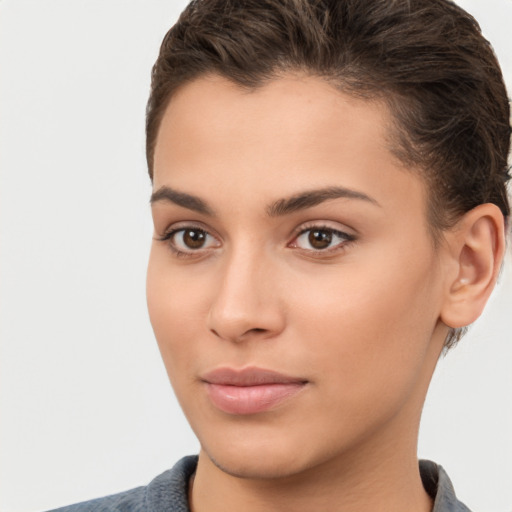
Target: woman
[
  {"x": 321, "y": 204},
  {"x": 329, "y": 207}
]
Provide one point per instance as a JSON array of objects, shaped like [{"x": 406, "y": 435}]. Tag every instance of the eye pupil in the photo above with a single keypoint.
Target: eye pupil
[
  {"x": 320, "y": 239},
  {"x": 194, "y": 238}
]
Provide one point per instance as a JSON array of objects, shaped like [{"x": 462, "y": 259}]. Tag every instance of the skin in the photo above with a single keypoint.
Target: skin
[{"x": 362, "y": 322}]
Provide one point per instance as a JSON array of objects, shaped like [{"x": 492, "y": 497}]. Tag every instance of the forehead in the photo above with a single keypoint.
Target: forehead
[
  {"x": 213, "y": 111},
  {"x": 293, "y": 133}
]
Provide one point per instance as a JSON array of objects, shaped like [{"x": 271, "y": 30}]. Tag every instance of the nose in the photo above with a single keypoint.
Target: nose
[{"x": 246, "y": 304}]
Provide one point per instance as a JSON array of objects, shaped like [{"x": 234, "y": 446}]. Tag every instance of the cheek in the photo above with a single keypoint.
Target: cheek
[
  {"x": 368, "y": 328},
  {"x": 174, "y": 311}
]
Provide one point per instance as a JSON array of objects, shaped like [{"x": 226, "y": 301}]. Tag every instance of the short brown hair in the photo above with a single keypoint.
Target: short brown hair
[{"x": 427, "y": 59}]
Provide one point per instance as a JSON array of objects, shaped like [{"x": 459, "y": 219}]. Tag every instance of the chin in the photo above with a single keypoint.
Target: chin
[
  {"x": 266, "y": 467},
  {"x": 263, "y": 457},
  {"x": 253, "y": 457},
  {"x": 252, "y": 469}
]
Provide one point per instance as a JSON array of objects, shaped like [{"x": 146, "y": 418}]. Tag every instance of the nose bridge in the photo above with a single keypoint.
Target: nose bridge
[{"x": 244, "y": 303}]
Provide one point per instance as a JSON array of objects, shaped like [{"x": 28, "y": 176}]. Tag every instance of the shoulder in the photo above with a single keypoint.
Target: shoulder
[
  {"x": 167, "y": 492},
  {"x": 128, "y": 501}
]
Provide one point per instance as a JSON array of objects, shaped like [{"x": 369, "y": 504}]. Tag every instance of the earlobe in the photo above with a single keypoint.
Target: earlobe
[{"x": 476, "y": 246}]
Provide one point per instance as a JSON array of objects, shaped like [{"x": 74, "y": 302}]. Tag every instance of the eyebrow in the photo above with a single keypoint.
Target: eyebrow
[
  {"x": 181, "y": 199},
  {"x": 302, "y": 201},
  {"x": 311, "y": 198}
]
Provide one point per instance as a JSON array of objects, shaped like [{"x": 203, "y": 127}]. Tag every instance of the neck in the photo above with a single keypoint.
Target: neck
[{"x": 355, "y": 482}]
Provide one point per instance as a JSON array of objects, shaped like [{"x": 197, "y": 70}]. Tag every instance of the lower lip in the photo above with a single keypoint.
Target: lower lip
[{"x": 251, "y": 399}]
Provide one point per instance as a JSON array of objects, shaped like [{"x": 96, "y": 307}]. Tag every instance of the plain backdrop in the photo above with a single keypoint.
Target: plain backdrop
[{"x": 86, "y": 409}]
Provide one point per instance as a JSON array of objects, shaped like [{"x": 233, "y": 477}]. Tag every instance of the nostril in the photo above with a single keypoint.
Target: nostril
[
  {"x": 239, "y": 337},
  {"x": 256, "y": 331}
]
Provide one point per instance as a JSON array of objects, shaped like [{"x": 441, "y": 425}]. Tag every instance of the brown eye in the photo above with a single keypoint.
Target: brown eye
[
  {"x": 320, "y": 238},
  {"x": 194, "y": 238},
  {"x": 190, "y": 241}
]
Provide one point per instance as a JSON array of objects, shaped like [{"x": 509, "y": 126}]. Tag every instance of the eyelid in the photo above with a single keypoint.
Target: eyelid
[
  {"x": 175, "y": 228},
  {"x": 186, "y": 224},
  {"x": 335, "y": 227},
  {"x": 346, "y": 234}
]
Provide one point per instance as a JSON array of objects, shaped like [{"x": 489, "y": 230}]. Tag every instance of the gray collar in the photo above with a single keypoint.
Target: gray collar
[{"x": 439, "y": 487}]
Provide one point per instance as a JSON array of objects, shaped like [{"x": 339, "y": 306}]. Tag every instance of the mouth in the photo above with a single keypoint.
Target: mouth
[{"x": 250, "y": 390}]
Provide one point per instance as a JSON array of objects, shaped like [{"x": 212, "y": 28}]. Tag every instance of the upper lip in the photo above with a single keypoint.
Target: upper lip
[{"x": 251, "y": 376}]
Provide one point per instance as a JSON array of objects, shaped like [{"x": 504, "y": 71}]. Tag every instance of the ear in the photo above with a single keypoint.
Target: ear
[{"x": 476, "y": 246}]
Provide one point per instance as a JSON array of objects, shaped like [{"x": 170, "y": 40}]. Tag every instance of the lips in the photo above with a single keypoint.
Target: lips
[{"x": 250, "y": 390}]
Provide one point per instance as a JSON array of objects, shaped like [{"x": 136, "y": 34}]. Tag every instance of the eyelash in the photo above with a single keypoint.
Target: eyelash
[
  {"x": 346, "y": 237},
  {"x": 168, "y": 238},
  {"x": 191, "y": 253}
]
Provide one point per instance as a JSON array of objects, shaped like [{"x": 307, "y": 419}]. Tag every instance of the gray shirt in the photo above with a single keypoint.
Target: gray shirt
[{"x": 168, "y": 492}]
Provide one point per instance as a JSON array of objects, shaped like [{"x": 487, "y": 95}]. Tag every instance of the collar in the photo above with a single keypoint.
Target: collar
[{"x": 439, "y": 487}]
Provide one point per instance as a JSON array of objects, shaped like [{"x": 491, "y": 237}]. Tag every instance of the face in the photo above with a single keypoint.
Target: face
[{"x": 292, "y": 285}]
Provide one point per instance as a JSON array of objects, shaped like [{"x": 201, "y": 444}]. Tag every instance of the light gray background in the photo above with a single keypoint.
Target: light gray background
[{"x": 86, "y": 409}]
